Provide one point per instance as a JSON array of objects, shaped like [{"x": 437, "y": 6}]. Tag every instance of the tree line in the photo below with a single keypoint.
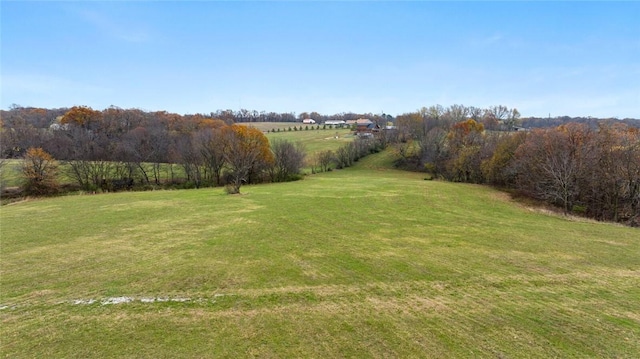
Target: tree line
[
  {"x": 115, "y": 149},
  {"x": 118, "y": 149},
  {"x": 587, "y": 168},
  {"x": 583, "y": 165}
]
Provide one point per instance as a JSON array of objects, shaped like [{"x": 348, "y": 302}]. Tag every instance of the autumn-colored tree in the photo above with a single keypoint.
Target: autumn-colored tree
[
  {"x": 246, "y": 152},
  {"x": 465, "y": 141},
  {"x": 210, "y": 123},
  {"x": 498, "y": 169},
  {"x": 465, "y": 133},
  {"x": 82, "y": 116},
  {"x": 40, "y": 172}
]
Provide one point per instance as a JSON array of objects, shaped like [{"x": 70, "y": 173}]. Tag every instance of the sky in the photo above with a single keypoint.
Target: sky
[{"x": 543, "y": 58}]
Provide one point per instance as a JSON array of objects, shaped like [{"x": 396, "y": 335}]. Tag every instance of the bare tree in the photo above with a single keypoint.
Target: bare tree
[
  {"x": 288, "y": 160},
  {"x": 323, "y": 160},
  {"x": 210, "y": 144},
  {"x": 549, "y": 165}
]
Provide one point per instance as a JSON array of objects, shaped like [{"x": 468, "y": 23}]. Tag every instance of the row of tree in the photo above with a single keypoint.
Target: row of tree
[
  {"x": 25, "y": 127},
  {"x": 590, "y": 167},
  {"x": 100, "y": 153},
  {"x": 119, "y": 119},
  {"x": 577, "y": 166},
  {"x": 103, "y": 151}
]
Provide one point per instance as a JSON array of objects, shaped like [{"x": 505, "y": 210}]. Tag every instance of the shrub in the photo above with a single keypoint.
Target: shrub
[{"x": 231, "y": 189}]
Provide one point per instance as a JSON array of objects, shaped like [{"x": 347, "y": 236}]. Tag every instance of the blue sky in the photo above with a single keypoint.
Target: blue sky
[{"x": 558, "y": 58}]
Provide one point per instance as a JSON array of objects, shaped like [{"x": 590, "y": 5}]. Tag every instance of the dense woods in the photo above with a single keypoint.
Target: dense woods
[
  {"x": 582, "y": 165},
  {"x": 587, "y": 167}
]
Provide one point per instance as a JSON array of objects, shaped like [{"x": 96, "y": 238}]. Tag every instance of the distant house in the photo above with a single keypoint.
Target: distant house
[
  {"x": 350, "y": 123},
  {"x": 365, "y": 126},
  {"x": 335, "y": 123},
  {"x": 309, "y": 121}
]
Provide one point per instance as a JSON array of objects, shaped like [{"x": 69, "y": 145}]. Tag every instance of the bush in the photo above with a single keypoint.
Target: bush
[{"x": 231, "y": 189}]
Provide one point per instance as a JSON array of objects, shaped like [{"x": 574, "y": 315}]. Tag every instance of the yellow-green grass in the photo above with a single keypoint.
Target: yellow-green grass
[
  {"x": 363, "y": 262},
  {"x": 10, "y": 173},
  {"x": 315, "y": 141}
]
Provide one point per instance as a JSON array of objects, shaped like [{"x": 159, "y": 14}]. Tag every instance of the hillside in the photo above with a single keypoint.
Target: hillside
[{"x": 363, "y": 262}]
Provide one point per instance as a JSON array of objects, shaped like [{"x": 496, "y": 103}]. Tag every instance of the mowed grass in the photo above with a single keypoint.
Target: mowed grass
[
  {"x": 314, "y": 140},
  {"x": 10, "y": 173},
  {"x": 363, "y": 262}
]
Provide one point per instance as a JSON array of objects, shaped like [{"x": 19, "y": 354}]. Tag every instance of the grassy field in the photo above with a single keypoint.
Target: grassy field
[
  {"x": 10, "y": 173},
  {"x": 316, "y": 140},
  {"x": 363, "y": 262}
]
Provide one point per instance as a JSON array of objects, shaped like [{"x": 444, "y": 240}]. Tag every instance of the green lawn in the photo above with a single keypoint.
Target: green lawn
[
  {"x": 316, "y": 140},
  {"x": 10, "y": 173},
  {"x": 363, "y": 262}
]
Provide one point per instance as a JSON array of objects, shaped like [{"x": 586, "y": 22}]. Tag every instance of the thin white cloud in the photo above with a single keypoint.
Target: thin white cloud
[
  {"x": 490, "y": 40},
  {"x": 112, "y": 28}
]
